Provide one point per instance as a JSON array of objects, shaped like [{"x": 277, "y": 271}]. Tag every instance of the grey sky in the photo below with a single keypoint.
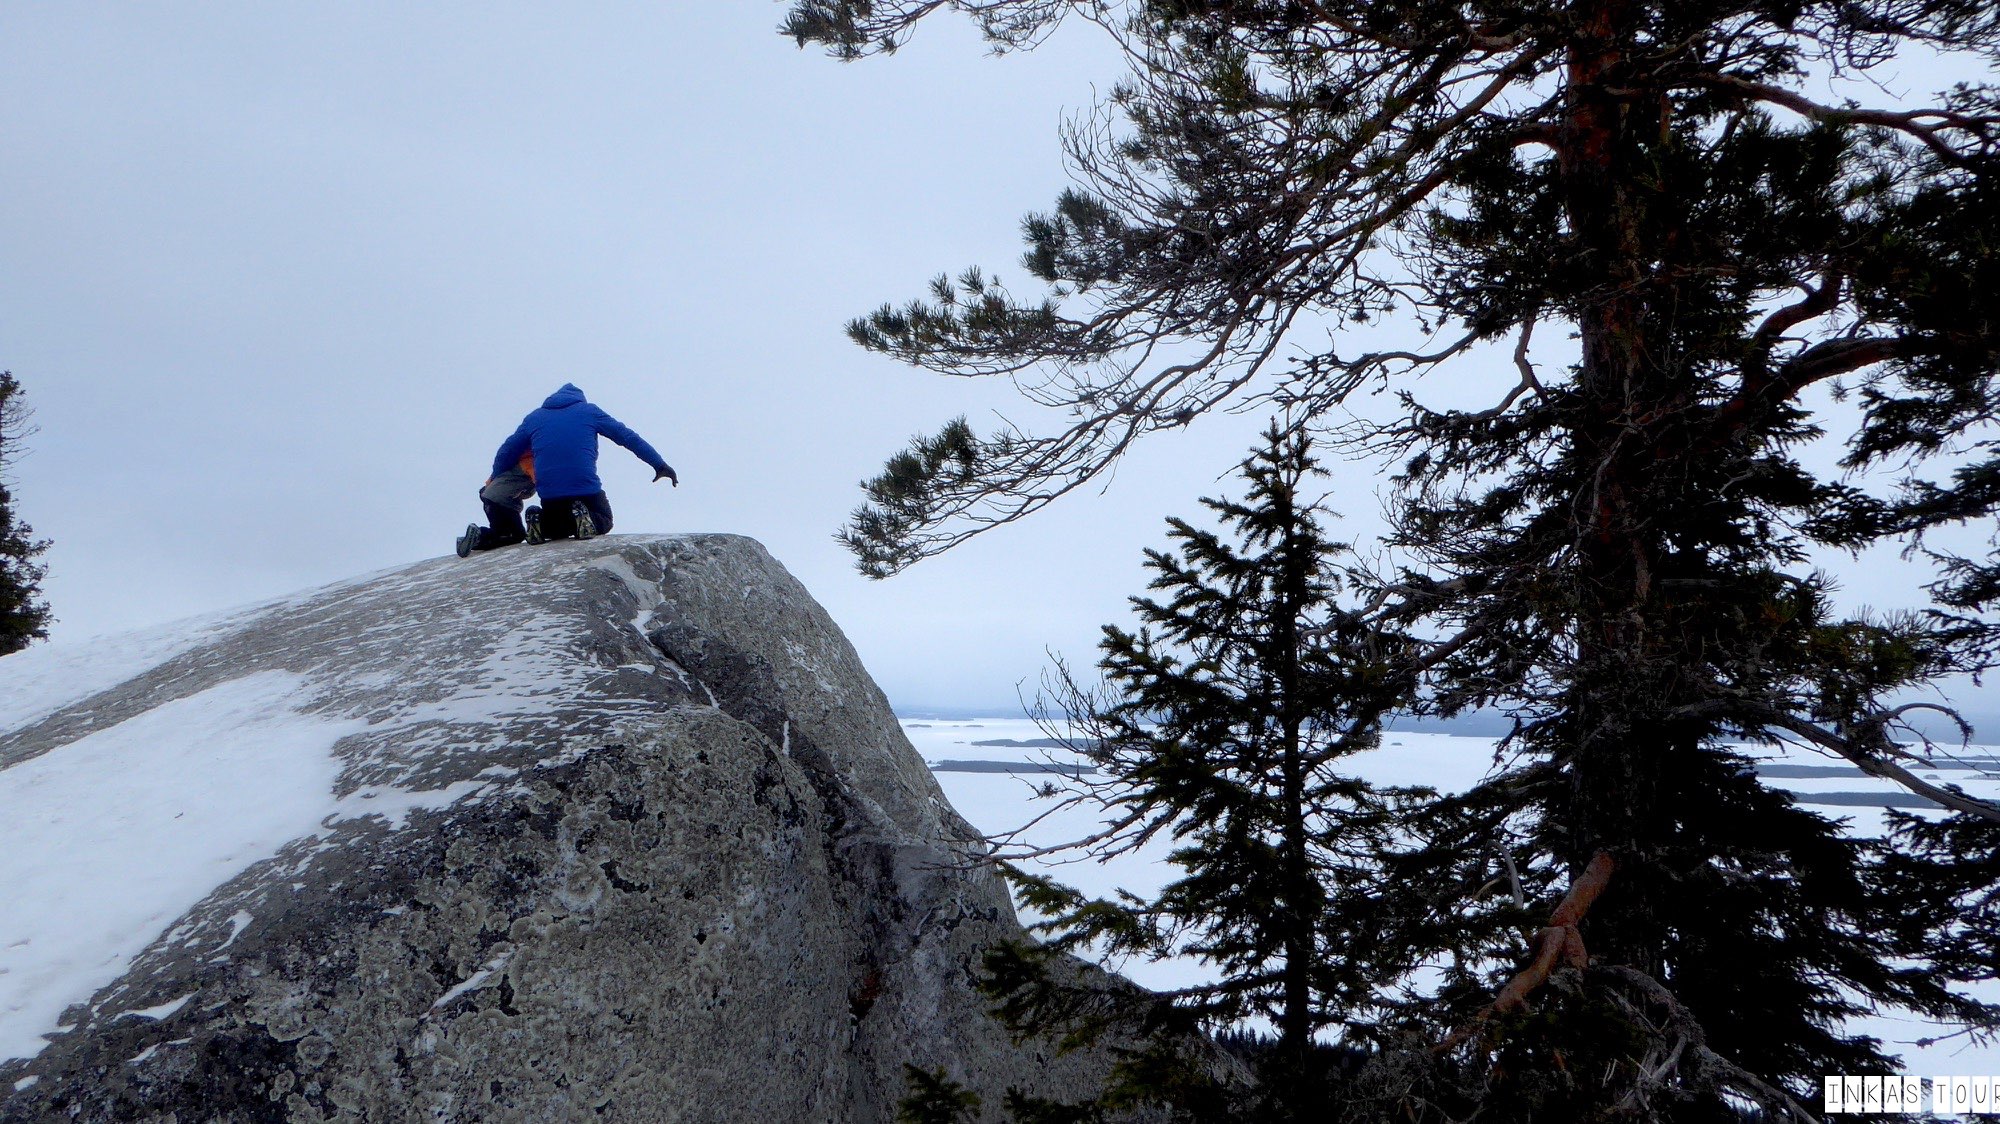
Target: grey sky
[{"x": 278, "y": 278}]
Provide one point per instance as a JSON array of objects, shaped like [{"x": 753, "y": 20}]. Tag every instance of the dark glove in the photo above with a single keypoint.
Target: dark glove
[{"x": 666, "y": 472}]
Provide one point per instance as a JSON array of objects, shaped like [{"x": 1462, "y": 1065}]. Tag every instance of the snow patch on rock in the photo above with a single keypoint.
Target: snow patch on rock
[
  {"x": 48, "y": 677},
  {"x": 112, "y": 837}
]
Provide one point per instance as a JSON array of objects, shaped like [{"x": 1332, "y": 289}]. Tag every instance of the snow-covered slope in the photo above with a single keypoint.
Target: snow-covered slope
[{"x": 617, "y": 830}]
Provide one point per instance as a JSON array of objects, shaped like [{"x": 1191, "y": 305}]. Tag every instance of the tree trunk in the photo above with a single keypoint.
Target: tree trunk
[
  {"x": 1302, "y": 888},
  {"x": 1615, "y": 738}
]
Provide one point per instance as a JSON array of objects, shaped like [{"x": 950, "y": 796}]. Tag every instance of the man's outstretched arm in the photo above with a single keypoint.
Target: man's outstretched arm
[{"x": 621, "y": 433}]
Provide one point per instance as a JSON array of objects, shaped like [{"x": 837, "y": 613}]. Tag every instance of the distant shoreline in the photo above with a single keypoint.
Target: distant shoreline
[{"x": 1986, "y": 726}]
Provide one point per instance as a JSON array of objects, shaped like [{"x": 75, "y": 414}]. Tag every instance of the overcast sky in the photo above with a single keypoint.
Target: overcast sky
[{"x": 277, "y": 278}]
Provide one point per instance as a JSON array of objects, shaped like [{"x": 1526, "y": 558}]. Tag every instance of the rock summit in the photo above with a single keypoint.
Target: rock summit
[{"x": 617, "y": 830}]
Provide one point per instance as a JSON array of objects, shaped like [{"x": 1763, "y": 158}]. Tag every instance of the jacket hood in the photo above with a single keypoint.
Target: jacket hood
[{"x": 569, "y": 395}]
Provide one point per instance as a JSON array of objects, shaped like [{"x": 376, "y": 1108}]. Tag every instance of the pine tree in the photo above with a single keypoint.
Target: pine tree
[
  {"x": 24, "y": 616},
  {"x": 1617, "y": 551}
]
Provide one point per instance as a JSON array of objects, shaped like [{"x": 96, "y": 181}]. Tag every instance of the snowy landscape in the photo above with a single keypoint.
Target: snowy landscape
[
  {"x": 1635, "y": 365},
  {"x": 110, "y": 839}
]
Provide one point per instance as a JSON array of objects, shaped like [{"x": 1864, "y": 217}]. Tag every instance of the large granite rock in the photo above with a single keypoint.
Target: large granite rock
[{"x": 621, "y": 831}]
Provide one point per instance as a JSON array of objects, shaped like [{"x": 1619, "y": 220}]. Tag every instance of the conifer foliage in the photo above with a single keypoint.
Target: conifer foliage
[
  {"x": 1615, "y": 549},
  {"x": 24, "y": 616},
  {"x": 1225, "y": 724}
]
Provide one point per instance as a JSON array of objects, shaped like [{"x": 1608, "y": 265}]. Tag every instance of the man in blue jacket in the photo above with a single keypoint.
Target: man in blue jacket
[{"x": 554, "y": 452}]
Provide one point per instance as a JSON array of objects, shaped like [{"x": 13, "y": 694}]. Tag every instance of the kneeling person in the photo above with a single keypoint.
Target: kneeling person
[{"x": 559, "y": 440}]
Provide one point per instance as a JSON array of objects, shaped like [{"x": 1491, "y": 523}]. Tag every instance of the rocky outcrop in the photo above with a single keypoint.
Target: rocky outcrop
[{"x": 619, "y": 831}]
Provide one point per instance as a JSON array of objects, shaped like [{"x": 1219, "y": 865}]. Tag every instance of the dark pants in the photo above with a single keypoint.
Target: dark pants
[
  {"x": 501, "y": 497},
  {"x": 559, "y": 521}
]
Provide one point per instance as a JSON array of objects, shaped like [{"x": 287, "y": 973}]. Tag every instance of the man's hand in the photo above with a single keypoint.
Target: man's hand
[{"x": 666, "y": 472}]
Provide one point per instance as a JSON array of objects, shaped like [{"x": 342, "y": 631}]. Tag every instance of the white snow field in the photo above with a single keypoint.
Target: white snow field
[
  {"x": 967, "y": 754},
  {"x": 47, "y": 677},
  {"x": 112, "y": 837}
]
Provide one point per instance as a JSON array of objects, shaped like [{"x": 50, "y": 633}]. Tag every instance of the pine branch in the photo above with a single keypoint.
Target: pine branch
[
  {"x": 1691, "y": 1042},
  {"x": 1872, "y": 763},
  {"x": 1929, "y": 126}
]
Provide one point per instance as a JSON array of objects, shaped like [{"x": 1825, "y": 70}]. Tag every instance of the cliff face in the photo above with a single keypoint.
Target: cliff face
[{"x": 617, "y": 830}]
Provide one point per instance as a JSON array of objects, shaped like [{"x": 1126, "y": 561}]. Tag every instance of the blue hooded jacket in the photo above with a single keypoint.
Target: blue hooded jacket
[{"x": 563, "y": 436}]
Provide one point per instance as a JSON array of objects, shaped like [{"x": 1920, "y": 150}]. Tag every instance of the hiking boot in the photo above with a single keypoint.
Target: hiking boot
[
  {"x": 469, "y": 541},
  {"x": 533, "y": 518},
  {"x": 586, "y": 527}
]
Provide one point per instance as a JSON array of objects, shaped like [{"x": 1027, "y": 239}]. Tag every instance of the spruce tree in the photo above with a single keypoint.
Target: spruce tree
[
  {"x": 1617, "y": 550},
  {"x": 24, "y": 616},
  {"x": 1225, "y": 724}
]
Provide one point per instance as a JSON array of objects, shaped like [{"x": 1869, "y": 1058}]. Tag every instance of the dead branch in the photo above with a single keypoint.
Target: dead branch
[
  {"x": 1528, "y": 380},
  {"x": 1558, "y": 943},
  {"x": 1513, "y": 877},
  {"x": 1692, "y": 1044}
]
